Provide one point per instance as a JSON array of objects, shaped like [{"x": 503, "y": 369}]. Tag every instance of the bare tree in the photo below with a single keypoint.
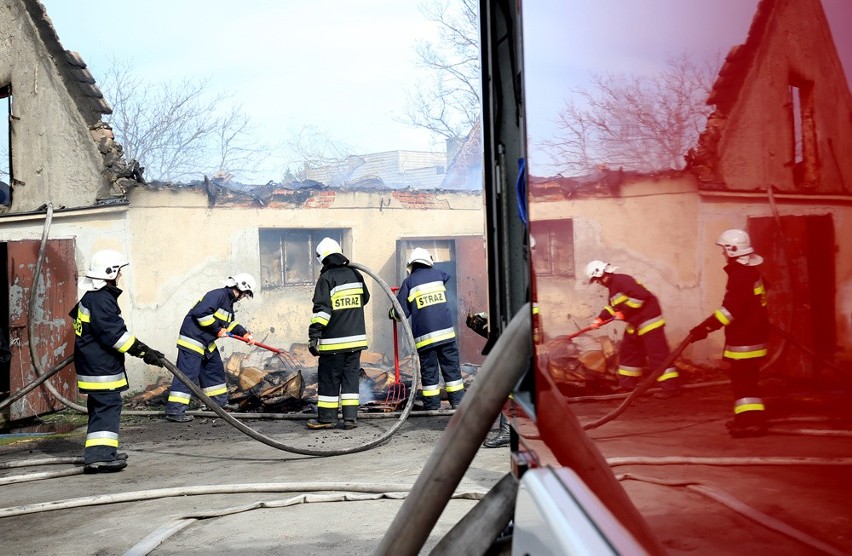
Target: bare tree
[
  {"x": 177, "y": 130},
  {"x": 311, "y": 148},
  {"x": 633, "y": 122},
  {"x": 449, "y": 103}
]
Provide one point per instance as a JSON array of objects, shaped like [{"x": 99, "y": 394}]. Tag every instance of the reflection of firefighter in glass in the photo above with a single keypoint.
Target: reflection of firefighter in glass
[
  {"x": 644, "y": 343},
  {"x": 337, "y": 334},
  {"x": 423, "y": 297},
  {"x": 744, "y": 316}
]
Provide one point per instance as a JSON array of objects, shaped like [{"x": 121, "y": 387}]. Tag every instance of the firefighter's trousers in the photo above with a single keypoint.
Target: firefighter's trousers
[
  {"x": 648, "y": 350},
  {"x": 207, "y": 371},
  {"x": 437, "y": 361},
  {"x": 104, "y": 420},
  {"x": 338, "y": 376},
  {"x": 745, "y": 383}
]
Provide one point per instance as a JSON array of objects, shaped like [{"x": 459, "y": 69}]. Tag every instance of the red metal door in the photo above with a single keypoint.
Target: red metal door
[
  {"x": 800, "y": 281},
  {"x": 53, "y": 338}
]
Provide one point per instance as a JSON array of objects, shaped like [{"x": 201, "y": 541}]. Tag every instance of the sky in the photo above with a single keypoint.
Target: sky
[
  {"x": 345, "y": 67},
  {"x": 635, "y": 37},
  {"x": 341, "y": 67}
]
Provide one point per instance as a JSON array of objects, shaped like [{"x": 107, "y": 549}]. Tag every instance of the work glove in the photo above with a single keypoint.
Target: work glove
[
  {"x": 138, "y": 349},
  {"x": 618, "y": 315},
  {"x": 222, "y": 332},
  {"x": 698, "y": 333},
  {"x": 597, "y": 323},
  {"x": 153, "y": 357},
  {"x": 478, "y": 323},
  {"x": 249, "y": 338},
  {"x": 392, "y": 314},
  {"x": 312, "y": 347},
  {"x": 708, "y": 325}
]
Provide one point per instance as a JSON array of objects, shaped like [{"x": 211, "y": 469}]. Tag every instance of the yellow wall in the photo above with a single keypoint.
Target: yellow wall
[
  {"x": 663, "y": 232},
  {"x": 180, "y": 249}
]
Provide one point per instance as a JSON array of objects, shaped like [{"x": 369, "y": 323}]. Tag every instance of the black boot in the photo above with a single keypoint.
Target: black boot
[{"x": 502, "y": 437}]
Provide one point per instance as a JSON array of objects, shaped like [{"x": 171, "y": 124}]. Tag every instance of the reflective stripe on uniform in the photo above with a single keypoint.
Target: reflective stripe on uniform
[
  {"x": 347, "y": 296},
  {"x": 349, "y": 399},
  {"x": 84, "y": 314},
  {"x": 617, "y": 299},
  {"x": 624, "y": 370},
  {"x": 428, "y": 293},
  {"x": 650, "y": 324},
  {"x": 748, "y": 404},
  {"x": 195, "y": 345},
  {"x": 431, "y": 390},
  {"x": 216, "y": 390},
  {"x": 124, "y": 342},
  {"x": 102, "y": 438},
  {"x": 433, "y": 337},
  {"x": 180, "y": 397},
  {"x": 320, "y": 317},
  {"x": 223, "y": 315},
  {"x": 745, "y": 352},
  {"x": 108, "y": 382},
  {"x": 669, "y": 374},
  {"x": 205, "y": 321},
  {"x": 347, "y": 342},
  {"x": 426, "y": 288},
  {"x": 723, "y": 315},
  {"x": 634, "y": 303},
  {"x": 328, "y": 402},
  {"x": 454, "y": 385}
]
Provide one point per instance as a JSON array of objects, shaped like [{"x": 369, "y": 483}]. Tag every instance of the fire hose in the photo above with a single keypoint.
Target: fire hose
[
  {"x": 199, "y": 393},
  {"x": 642, "y": 387},
  {"x": 44, "y": 376}
]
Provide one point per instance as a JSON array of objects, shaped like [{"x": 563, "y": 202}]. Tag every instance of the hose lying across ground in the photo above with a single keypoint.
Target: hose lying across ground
[
  {"x": 211, "y": 405},
  {"x": 370, "y": 491},
  {"x": 195, "y": 389}
]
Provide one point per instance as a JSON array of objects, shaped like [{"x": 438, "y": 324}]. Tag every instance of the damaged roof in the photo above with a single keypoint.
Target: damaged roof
[{"x": 76, "y": 76}]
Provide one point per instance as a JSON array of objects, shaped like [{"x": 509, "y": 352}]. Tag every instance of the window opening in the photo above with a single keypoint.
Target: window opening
[
  {"x": 804, "y": 156},
  {"x": 288, "y": 255},
  {"x": 553, "y": 254},
  {"x": 5, "y": 145},
  {"x": 796, "y": 98}
]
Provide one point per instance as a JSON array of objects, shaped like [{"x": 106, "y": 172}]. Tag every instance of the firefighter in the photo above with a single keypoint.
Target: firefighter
[
  {"x": 644, "y": 343},
  {"x": 423, "y": 297},
  {"x": 212, "y": 317},
  {"x": 337, "y": 335},
  {"x": 101, "y": 340},
  {"x": 743, "y": 314}
]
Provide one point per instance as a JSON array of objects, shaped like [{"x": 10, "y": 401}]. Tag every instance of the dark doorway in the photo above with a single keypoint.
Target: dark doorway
[{"x": 799, "y": 270}]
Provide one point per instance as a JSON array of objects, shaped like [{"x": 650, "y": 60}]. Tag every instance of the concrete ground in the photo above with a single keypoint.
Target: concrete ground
[
  {"x": 810, "y": 499},
  {"x": 209, "y": 452}
]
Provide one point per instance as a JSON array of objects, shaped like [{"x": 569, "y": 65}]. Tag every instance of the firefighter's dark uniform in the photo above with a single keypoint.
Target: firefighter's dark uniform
[
  {"x": 644, "y": 343},
  {"x": 337, "y": 326},
  {"x": 101, "y": 341},
  {"x": 744, "y": 315},
  {"x": 423, "y": 297},
  {"x": 198, "y": 357}
]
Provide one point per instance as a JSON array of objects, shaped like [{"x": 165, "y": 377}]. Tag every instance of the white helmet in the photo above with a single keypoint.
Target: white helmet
[
  {"x": 737, "y": 245},
  {"x": 327, "y": 247},
  {"x": 596, "y": 269},
  {"x": 243, "y": 281},
  {"x": 105, "y": 265},
  {"x": 421, "y": 256},
  {"x": 735, "y": 242}
]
